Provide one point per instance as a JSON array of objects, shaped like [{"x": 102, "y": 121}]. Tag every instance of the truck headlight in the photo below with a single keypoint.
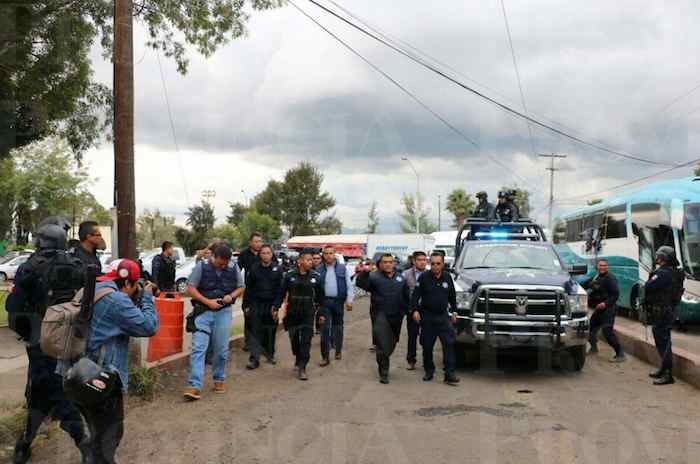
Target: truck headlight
[
  {"x": 578, "y": 304},
  {"x": 464, "y": 300}
]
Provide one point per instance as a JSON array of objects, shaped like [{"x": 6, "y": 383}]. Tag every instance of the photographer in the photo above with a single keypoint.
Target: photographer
[
  {"x": 128, "y": 311},
  {"x": 214, "y": 286}
]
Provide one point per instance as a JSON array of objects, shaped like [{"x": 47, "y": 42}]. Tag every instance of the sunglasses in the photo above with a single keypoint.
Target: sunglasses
[{"x": 436, "y": 263}]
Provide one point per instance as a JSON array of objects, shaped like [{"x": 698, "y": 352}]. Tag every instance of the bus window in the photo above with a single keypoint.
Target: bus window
[
  {"x": 615, "y": 226},
  {"x": 651, "y": 224}
]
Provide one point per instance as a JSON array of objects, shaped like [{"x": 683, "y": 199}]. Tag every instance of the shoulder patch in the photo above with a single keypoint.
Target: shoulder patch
[
  {"x": 399, "y": 278},
  {"x": 445, "y": 285}
]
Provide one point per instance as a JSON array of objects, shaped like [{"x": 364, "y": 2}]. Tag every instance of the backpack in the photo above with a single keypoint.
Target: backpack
[
  {"x": 677, "y": 286},
  {"x": 64, "y": 333}
]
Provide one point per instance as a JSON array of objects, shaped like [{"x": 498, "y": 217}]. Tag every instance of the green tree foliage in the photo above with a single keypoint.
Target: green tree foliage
[
  {"x": 153, "y": 228},
  {"x": 522, "y": 200},
  {"x": 254, "y": 221},
  {"x": 408, "y": 216},
  {"x": 373, "y": 219},
  {"x": 227, "y": 233},
  {"x": 330, "y": 225},
  {"x": 696, "y": 171},
  {"x": 238, "y": 210},
  {"x": 297, "y": 201},
  {"x": 189, "y": 240},
  {"x": 201, "y": 218},
  {"x": 7, "y": 196},
  {"x": 46, "y": 81},
  {"x": 460, "y": 204}
]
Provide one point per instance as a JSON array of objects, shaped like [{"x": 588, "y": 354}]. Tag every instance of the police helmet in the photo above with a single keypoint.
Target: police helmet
[
  {"x": 502, "y": 194},
  {"x": 482, "y": 195},
  {"x": 667, "y": 254},
  {"x": 60, "y": 221},
  {"x": 51, "y": 236}
]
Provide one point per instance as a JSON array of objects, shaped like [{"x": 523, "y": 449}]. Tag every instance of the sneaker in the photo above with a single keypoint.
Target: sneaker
[
  {"x": 252, "y": 365},
  {"x": 451, "y": 379},
  {"x": 665, "y": 379},
  {"x": 618, "y": 358},
  {"x": 324, "y": 362},
  {"x": 428, "y": 377},
  {"x": 338, "y": 356},
  {"x": 302, "y": 374},
  {"x": 192, "y": 394},
  {"x": 384, "y": 379},
  {"x": 411, "y": 367},
  {"x": 219, "y": 387}
]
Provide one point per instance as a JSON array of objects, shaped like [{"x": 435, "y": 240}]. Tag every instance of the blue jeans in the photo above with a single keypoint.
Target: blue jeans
[
  {"x": 214, "y": 326},
  {"x": 332, "y": 330}
]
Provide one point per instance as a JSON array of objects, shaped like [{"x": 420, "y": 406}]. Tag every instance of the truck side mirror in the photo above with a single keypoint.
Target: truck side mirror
[{"x": 578, "y": 269}]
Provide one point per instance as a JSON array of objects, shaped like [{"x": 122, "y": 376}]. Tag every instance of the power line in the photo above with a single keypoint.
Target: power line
[
  {"x": 410, "y": 94},
  {"x": 632, "y": 182},
  {"x": 517, "y": 75},
  {"x": 503, "y": 106},
  {"x": 678, "y": 98}
]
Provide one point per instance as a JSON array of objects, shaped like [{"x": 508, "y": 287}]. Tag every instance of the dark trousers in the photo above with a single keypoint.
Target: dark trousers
[
  {"x": 605, "y": 320},
  {"x": 434, "y": 328},
  {"x": 386, "y": 331},
  {"x": 332, "y": 328},
  {"x": 413, "y": 329},
  {"x": 662, "y": 338},
  {"x": 300, "y": 337},
  {"x": 263, "y": 331},
  {"x": 106, "y": 423},
  {"x": 45, "y": 397}
]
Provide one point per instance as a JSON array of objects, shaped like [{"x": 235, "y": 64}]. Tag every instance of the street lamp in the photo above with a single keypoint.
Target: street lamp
[
  {"x": 416, "y": 210},
  {"x": 245, "y": 198}
]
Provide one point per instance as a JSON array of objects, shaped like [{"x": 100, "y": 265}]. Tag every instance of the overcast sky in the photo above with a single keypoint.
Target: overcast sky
[{"x": 288, "y": 92}]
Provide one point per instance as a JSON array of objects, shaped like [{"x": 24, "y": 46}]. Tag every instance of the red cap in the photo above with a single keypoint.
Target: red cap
[{"x": 125, "y": 269}]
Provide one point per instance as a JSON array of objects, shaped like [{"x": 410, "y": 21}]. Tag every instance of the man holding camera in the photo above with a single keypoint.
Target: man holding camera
[
  {"x": 127, "y": 311},
  {"x": 214, "y": 286}
]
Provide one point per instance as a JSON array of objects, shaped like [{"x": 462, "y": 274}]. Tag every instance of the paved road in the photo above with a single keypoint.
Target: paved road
[{"x": 606, "y": 414}]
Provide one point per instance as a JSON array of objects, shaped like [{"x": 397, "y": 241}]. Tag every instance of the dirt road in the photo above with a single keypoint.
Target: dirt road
[{"x": 606, "y": 414}]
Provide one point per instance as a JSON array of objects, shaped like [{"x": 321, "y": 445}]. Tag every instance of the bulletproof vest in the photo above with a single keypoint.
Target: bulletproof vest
[
  {"x": 484, "y": 210},
  {"x": 302, "y": 292},
  {"x": 166, "y": 271},
  {"x": 340, "y": 277},
  {"x": 214, "y": 285},
  {"x": 505, "y": 212},
  {"x": 598, "y": 293},
  {"x": 661, "y": 297},
  {"x": 60, "y": 276}
]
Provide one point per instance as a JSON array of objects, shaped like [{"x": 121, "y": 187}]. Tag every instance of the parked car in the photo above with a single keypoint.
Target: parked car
[
  {"x": 147, "y": 260},
  {"x": 9, "y": 269},
  {"x": 184, "y": 270}
]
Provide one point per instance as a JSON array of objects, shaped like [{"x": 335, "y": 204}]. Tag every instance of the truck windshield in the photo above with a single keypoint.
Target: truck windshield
[
  {"x": 510, "y": 256},
  {"x": 690, "y": 240}
]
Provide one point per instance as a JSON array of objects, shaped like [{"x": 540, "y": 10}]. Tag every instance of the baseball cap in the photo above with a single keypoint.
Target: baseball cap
[{"x": 122, "y": 269}]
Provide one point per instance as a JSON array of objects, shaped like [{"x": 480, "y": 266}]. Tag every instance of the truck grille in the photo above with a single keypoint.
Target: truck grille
[{"x": 521, "y": 302}]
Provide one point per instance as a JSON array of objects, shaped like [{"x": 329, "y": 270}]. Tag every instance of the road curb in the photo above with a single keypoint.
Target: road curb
[
  {"x": 686, "y": 365},
  {"x": 181, "y": 361}
]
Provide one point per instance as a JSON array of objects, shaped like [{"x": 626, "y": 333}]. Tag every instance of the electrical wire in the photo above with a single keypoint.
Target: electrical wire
[
  {"x": 517, "y": 75},
  {"x": 411, "y": 95},
  {"x": 665, "y": 107},
  {"x": 483, "y": 96},
  {"x": 172, "y": 129}
]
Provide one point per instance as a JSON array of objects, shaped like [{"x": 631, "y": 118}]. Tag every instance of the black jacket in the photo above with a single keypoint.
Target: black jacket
[
  {"x": 604, "y": 289},
  {"x": 433, "y": 296},
  {"x": 658, "y": 290},
  {"x": 263, "y": 284},
  {"x": 390, "y": 295},
  {"x": 305, "y": 294},
  {"x": 87, "y": 258},
  {"x": 163, "y": 269},
  {"x": 484, "y": 211}
]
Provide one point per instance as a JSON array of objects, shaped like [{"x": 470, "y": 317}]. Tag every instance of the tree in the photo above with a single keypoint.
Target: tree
[
  {"x": 254, "y": 221},
  {"x": 408, "y": 216},
  {"x": 522, "y": 200},
  {"x": 373, "y": 219},
  {"x": 330, "y": 225},
  {"x": 296, "y": 202},
  {"x": 594, "y": 201},
  {"x": 238, "y": 210},
  {"x": 189, "y": 240},
  {"x": 201, "y": 218},
  {"x": 46, "y": 82},
  {"x": 460, "y": 204},
  {"x": 227, "y": 233},
  {"x": 7, "y": 196},
  {"x": 152, "y": 229}
]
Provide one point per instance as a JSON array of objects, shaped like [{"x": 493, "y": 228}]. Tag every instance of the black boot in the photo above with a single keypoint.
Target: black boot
[
  {"x": 665, "y": 379},
  {"x": 302, "y": 374},
  {"x": 451, "y": 379},
  {"x": 383, "y": 376},
  {"x": 23, "y": 452},
  {"x": 84, "y": 446},
  {"x": 428, "y": 376},
  {"x": 657, "y": 374}
]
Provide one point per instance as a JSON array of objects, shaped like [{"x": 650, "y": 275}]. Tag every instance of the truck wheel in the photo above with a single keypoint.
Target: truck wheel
[
  {"x": 466, "y": 355},
  {"x": 576, "y": 358}
]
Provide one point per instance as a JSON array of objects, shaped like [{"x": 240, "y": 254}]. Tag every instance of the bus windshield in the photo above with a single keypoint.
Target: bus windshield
[{"x": 690, "y": 239}]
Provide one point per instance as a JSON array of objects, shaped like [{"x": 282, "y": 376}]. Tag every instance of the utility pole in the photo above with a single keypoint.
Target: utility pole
[
  {"x": 439, "y": 212},
  {"x": 124, "y": 183},
  {"x": 551, "y": 170}
]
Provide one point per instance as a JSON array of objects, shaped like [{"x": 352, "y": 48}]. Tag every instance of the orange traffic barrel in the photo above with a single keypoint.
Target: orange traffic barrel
[{"x": 169, "y": 338}]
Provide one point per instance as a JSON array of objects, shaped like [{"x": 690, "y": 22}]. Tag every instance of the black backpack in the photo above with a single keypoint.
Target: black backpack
[{"x": 677, "y": 286}]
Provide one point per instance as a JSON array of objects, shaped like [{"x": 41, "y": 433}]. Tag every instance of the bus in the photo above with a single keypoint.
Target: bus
[{"x": 628, "y": 228}]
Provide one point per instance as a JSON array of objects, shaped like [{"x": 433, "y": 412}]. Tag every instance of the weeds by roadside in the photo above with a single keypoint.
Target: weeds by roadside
[{"x": 144, "y": 382}]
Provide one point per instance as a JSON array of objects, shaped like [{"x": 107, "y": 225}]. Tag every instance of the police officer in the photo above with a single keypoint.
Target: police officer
[
  {"x": 431, "y": 298},
  {"x": 420, "y": 263},
  {"x": 505, "y": 211},
  {"x": 164, "y": 268},
  {"x": 263, "y": 283},
  {"x": 338, "y": 297},
  {"x": 484, "y": 209},
  {"x": 602, "y": 299},
  {"x": 90, "y": 241},
  {"x": 303, "y": 290},
  {"x": 26, "y": 307},
  {"x": 659, "y": 305},
  {"x": 389, "y": 305},
  {"x": 214, "y": 287}
]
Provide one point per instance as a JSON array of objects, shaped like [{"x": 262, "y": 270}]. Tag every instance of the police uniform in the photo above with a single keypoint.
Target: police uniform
[
  {"x": 432, "y": 297},
  {"x": 263, "y": 283},
  {"x": 603, "y": 289},
  {"x": 389, "y": 305},
  {"x": 506, "y": 212},
  {"x": 484, "y": 210},
  {"x": 304, "y": 294},
  {"x": 44, "y": 389},
  {"x": 164, "y": 270},
  {"x": 660, "y": 312}
]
